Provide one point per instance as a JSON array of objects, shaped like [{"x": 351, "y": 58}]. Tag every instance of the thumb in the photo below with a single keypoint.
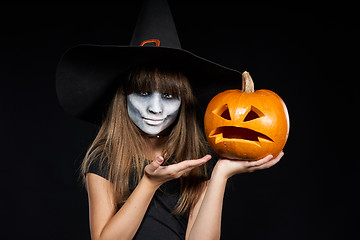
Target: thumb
[{"x": 156, "y": 163}]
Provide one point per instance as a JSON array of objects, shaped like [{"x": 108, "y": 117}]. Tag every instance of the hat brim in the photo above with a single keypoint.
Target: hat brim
[{"x": 87, "y": 75}]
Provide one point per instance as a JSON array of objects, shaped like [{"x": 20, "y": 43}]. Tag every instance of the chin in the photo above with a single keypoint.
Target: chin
[{"x": 153, "y": 132}]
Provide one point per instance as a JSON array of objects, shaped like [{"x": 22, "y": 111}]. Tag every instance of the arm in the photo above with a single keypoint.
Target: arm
[
  {"x": 106, "y": 223},
  {"x": 207, "y": 223}
]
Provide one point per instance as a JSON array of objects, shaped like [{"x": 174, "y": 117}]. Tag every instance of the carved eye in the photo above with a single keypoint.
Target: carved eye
[
  {"x": 223, "y": 112},
  {"x": 253, "y": 114}
]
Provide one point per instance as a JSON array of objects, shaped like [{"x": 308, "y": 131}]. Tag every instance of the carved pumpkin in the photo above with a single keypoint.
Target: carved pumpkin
[{"x": 246, "y": 124}]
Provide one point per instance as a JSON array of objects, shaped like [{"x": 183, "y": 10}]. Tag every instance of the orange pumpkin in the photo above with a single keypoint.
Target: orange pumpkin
[{"x": 246, "y": 124}]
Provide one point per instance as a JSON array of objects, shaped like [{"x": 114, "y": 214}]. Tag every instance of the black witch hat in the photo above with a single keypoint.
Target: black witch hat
[{"x": 87, "y": 75}]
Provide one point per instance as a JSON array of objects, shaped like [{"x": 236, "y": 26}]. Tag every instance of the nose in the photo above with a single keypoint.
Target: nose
[{"x": 155, "y": 105}]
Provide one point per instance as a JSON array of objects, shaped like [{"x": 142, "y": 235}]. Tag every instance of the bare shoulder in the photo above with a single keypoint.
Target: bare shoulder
[
  {"x": 101, "y": 204},
  {"x": 99, "y": 190},
  {"x": 95, "y": 181}
]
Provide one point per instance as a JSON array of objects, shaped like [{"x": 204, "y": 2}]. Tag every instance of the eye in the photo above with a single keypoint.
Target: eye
[
  {"x": 223, "y": 112},
  {"x": 167, "y": 96},
  {"x": 253, "y": 114},
  {"x": 144, "y": 93}
]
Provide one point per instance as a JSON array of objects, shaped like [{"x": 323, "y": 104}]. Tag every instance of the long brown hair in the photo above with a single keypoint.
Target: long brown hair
[{"x": 121, "y": 146}]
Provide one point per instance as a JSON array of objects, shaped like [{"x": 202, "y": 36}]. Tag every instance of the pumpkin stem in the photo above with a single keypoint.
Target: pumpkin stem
[{"x": 247, "y": 83}]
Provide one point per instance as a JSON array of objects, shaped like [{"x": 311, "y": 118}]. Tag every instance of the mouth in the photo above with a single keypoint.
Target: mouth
[
  {"x": 153, "y": 122},
  {"x": 238, "y": 133}
]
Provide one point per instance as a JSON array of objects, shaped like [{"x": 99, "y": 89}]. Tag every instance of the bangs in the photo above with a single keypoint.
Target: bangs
[{"x": 148, "y": 79}]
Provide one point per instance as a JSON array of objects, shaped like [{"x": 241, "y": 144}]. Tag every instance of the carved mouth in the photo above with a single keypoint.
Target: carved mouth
[{"x": 237, "y": 133}]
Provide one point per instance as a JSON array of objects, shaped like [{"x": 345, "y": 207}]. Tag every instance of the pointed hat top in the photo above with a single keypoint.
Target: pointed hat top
[
  {"x": 88, "y": 75},
  {"x": 155, "y": 26}
]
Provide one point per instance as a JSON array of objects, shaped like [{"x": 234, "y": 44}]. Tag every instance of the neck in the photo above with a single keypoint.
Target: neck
[
  {"x": 156, "y": 143},
  {"x": 164, "y": 134},
  {"x": 157, "y": 136},
  {"x": 156, "y": 140}
]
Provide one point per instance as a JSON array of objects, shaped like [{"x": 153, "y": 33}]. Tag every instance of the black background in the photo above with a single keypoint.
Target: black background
[{"x": 307, "y": 54}]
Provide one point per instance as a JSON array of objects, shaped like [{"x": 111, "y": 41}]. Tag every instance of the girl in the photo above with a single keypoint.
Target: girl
[{"x": 147, "y": 172}]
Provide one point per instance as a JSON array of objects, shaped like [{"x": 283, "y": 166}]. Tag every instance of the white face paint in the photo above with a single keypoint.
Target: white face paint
[{"x": 152, "y": 112}]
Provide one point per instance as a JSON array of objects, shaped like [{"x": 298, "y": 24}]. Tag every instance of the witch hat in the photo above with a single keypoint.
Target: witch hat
[{"x": 87, "y": 75}]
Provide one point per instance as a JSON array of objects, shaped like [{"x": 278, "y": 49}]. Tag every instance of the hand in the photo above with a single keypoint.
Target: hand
[
  {"x": 160, "y": 174},
  {"x": 227, "y": 168}
]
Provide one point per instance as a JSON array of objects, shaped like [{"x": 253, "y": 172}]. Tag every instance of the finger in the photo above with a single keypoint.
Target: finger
[
  {"x": 159, "y": 160},
  {"x": 205, "y": 158},
  {"x": 266, "y": 165},
  {"x": 188, "y": 165},
  {"x": 281, "y": 154},
  {"x": 197, "y": 162},
  {"x": 156, "y": 163},
  {"x": 260, "y": 161},
  {"x": 269, "y": 164}
]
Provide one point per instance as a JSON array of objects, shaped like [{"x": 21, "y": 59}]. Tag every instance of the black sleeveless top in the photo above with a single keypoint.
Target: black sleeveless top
[{"x": 158, "y": 222}]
